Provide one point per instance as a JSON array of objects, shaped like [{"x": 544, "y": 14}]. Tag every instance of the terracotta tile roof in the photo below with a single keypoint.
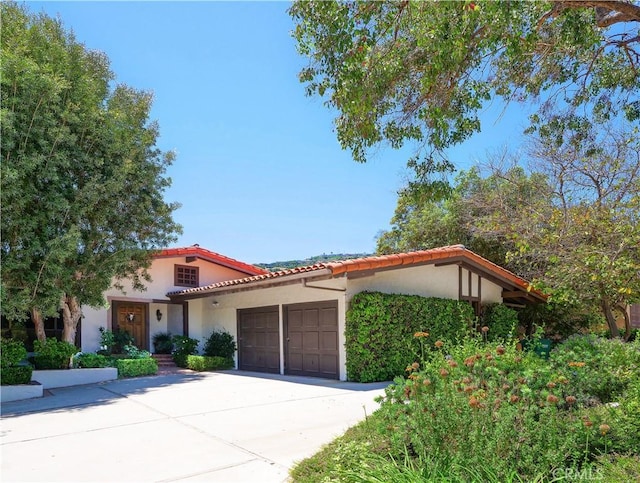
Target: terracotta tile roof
[
  {"x": 203, "y": 253},
  {"x": 256, "y": 278},
  {"x": 452, "y": 254}
]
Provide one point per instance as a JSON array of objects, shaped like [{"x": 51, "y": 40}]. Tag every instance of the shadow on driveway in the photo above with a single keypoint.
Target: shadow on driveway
[{"x": 79, "y": 397}]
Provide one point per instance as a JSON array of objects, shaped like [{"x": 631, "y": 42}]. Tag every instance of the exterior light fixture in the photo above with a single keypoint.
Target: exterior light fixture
[{"x": 158, "y": 315}]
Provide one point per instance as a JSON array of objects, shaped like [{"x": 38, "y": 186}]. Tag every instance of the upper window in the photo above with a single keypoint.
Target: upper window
[{"x": 185, "y": 276}]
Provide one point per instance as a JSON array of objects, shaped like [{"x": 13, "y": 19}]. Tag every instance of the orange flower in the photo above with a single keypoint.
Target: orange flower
[
  {"x": 444, "y": 372},
  {"x": 588, "y": 423},
  {"x": 500, "y": 350},
  {"x": 469, "y": 361},
  {"x": 551, "y": 385},
  {"x": 570, "y": 400},
  {"x": 485, "y": 329},
  {"x": 514, "y": 399},
  {"x": 452, "y": 363},
  {"x": 415, "y": 366},
  {"x": 427, "y": 382},
  {"x": 439, "y": 344},
  {"x": 473, "y": 402},
  {"x": 421, "y": 334},
  {"x": 604, "y": 429},
  {"x": 552, "y": 399},
  {"x": 576, "y": 364}
]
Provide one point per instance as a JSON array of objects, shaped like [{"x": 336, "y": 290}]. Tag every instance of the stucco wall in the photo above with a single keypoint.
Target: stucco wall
[
  {"x": 427, "y": 280},
  {"x": 204, "y": 317},
  {"x": 162, "y": 275}
]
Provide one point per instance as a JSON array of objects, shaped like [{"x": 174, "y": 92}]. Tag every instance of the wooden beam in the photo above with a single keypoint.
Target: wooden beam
[{"x": 513, "y": 294}]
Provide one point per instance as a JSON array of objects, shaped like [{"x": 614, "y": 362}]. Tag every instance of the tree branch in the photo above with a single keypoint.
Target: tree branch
[{"x": 607, "y": 12}]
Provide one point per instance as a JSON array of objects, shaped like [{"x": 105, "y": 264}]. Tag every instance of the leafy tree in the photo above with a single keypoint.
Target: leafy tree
[
  {"x": 466, "y": 216},
  {"x": 589, "y": 237},
  {"x": 399, "y": 71},
  {"x": 571, "y": 224},
  {"x": 82, "y": 179}
]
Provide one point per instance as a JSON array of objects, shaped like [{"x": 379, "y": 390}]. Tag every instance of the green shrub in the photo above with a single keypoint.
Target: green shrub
[
  {"x": 183, "y": 346},
  {"x": 380, "y": 331},
  {"x": 220, "y": 344},
  {"x": 53, "y": 354},
  {"x": 208, "y": 363},
  {"x": 114, "y": 342},
  {"x": 136, "y": 367},
  {"x": 485, "y": 406},
  {"x": 133, "y": 352},
  {"x": 501, "y": 320},
  {"x": 11, "y": 352},
  {"x": 162, "y": 342},
  {"x": 596, "y": 367},
  {"x": 89, "y": 360},
  {"x": 11, "y": 375}
]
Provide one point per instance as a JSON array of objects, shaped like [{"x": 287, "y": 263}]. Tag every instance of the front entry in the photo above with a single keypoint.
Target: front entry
[{"x": 132, "y": 317}]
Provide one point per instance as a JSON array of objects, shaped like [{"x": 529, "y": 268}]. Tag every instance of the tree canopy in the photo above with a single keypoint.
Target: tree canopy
[
  {"x": 571, "y": 224},
  {"x": 82, "y": 178},
  {"x": 398, "y": 71}
]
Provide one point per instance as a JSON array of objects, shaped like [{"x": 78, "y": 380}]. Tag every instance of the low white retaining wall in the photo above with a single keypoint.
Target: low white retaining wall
[
  {"x": 20, "y": 391},
  {"x": 74, "y": 377}
]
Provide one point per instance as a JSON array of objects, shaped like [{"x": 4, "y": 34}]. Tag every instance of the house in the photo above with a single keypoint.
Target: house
[
  {"x": 143, "y": 314},
  {"x": 293, "y": 321}
]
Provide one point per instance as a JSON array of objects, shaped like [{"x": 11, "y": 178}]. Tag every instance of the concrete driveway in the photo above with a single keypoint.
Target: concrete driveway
[{"x": 227, "y": 427}]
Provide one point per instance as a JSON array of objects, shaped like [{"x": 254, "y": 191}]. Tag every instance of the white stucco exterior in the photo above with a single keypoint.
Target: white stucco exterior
[
  {"x": 154, "y": 297},
  {"x": 219, "y": 311}
]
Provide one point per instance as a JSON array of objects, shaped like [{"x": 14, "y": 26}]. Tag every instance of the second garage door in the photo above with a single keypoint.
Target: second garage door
[
  {"x": 311, "y": 338},
  {"x": 259, "y": 339}
]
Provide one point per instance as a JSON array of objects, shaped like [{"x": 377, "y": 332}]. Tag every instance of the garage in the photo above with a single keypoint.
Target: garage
[
  {"x": 259, "y": 339},
  {"x": 311, "y": 339}
]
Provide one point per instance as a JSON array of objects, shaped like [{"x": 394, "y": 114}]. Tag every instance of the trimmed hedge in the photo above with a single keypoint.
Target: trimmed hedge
[
  {"x": 183, "y": 346},
  {"x": 15, "y": 375},
  {"x": 53, "y": 353},
  {"x": 91, "y": 361},
  {"x": 208, "y": 363},
  {"x": 11, "y": 352},
  {"x": 501, "y": 320},
  {"x": 136, "y": 367},
  {"x": 380, "y": 331}
]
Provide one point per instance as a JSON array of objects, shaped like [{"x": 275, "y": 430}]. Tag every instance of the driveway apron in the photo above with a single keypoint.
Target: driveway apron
[{"x": 229, "y": 426}]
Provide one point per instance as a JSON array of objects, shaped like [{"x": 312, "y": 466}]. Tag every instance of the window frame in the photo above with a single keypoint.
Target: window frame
[{"x": 181, "y": 272}]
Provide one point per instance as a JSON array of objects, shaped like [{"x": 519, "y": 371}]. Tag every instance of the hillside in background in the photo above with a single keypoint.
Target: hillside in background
[{"x": 275, "y": 266}]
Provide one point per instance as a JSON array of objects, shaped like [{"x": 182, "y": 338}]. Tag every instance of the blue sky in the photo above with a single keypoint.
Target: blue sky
[{"x": 259, "y": 172}]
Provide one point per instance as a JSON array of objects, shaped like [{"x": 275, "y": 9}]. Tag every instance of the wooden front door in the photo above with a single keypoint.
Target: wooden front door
[{"x": 132, "y": 317}]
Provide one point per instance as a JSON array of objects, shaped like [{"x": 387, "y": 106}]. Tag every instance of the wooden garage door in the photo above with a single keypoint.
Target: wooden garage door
[
  {"x": 259, "y": 339},
  {"x": 311, "y": 335}
]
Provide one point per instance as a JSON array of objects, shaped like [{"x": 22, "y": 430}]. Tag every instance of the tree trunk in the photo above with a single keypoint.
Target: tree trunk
[
  {"x": 71, "y": 315},
  {"x": 611, "y": 320},
  {"x": 627, "y": 322},
  {"x": 38, "y": 323}
]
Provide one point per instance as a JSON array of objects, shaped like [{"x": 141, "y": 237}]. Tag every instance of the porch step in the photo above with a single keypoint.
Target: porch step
[{"x": 164, "y": 360}]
